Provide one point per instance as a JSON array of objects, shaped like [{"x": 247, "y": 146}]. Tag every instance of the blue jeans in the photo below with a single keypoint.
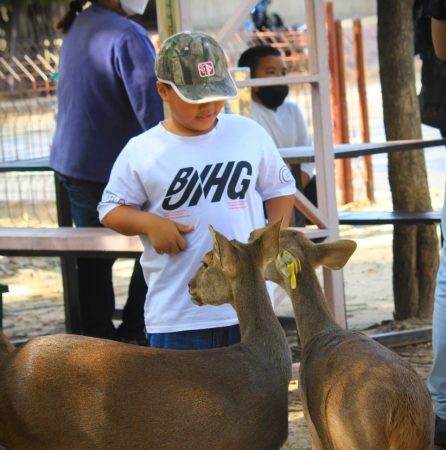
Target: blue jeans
[
  {"x": 196, "y": 339},
  {"x": 96, "y": 294},
  {"x": 437, "y": 377}
]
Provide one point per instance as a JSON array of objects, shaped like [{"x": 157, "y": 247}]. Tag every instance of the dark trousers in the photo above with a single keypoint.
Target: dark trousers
[
  {"x": 96, "y": 293},
  {"x": 299, "y": 219}
]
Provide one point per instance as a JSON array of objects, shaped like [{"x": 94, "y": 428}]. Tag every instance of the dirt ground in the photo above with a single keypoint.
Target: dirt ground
[{"x": 34, "y": 306}]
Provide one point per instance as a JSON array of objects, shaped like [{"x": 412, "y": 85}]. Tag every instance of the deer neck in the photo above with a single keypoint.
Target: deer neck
[
  {"x": 310, "y": 307},
  {"x": 259, "y": 326}
]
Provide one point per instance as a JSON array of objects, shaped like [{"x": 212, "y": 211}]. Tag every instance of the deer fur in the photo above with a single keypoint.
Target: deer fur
[
  {"x": 356, "y": 393},
  {"x": 77, "y": 392}
]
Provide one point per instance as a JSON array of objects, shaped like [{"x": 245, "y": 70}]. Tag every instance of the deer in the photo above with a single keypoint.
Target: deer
[
  {"x": 356, "y": 393},
  {"x": 71, "y": 391}
]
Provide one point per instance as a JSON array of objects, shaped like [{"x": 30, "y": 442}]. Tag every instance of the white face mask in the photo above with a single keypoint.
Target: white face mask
[{"x": 132, "y": 7}]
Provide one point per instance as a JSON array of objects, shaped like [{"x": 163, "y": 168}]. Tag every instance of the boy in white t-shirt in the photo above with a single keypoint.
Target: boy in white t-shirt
[{"x": 196, "y": 168}]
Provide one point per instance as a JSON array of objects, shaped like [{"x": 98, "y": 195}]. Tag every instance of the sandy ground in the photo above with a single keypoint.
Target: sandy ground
[{"x": 34, "y": 306}]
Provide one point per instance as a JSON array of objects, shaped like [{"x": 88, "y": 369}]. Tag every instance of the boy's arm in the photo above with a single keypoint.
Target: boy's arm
[
  {"x": 164, "y": 234},
  {"x": 279, "y": 207}
]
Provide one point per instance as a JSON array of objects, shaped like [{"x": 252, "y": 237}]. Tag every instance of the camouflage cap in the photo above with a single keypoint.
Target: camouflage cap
[{"x": 194, "y": 64}]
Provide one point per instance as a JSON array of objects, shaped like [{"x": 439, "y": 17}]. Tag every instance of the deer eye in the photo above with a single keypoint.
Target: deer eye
[{"x": 204, "y": 264}]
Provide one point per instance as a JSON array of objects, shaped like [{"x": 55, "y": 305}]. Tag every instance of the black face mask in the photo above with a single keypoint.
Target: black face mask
[{"x": 272, "y": 96}]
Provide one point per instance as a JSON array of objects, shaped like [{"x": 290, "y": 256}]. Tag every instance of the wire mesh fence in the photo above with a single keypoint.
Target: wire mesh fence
[{"x": 27, "y": 123}]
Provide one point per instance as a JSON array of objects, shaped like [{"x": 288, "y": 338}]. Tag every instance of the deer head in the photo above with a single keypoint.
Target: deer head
[
  {"x": 212, "y": 284},
  {"x": 297, "y": 253}
]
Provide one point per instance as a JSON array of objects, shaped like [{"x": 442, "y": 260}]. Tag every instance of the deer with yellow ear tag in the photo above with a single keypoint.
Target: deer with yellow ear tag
[{"x": 356, "y": 394}]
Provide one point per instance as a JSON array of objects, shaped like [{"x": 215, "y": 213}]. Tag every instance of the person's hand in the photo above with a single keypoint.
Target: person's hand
[{"x": 166, "y": 236}]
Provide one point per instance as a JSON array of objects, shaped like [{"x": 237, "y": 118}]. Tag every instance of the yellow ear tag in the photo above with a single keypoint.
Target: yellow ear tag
[{"x": 292, "y": 270}]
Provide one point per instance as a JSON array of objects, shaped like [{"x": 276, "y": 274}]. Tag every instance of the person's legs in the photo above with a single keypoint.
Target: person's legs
[
  {"x": 132, "y": 327},
  {"x": 437, "y": 377},
  {"x": 96, "y": 295},
  {"x": 310, "y": 193},
  {"x": 96, "y": 292},
  {"x": 196, "y": 339}
]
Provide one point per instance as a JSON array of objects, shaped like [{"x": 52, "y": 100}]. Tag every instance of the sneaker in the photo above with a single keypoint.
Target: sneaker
[{"x": 440, "y": 432}]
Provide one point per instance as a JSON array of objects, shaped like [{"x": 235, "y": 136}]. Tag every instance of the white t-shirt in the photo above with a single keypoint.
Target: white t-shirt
[
  {"x": 286, "y": 126},
  {"x": 219, "y": 178}
]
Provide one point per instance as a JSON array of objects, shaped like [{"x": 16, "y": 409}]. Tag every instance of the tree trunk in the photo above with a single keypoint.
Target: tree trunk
[{"x": 415, "y": 247}]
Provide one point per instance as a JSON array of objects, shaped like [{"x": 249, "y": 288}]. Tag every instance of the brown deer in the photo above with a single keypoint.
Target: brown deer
[
  {"x": 356, "y": 394},
  {"x": 77, "y": 392}
]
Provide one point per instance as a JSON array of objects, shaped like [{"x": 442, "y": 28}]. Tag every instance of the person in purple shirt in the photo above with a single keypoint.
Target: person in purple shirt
[{"x": 106, "y": 95}]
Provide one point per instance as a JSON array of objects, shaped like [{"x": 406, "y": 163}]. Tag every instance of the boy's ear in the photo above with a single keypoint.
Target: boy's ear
[{"x": 162, "y": 91}]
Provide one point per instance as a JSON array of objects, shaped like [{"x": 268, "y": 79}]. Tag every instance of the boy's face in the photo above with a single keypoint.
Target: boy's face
[
  {"x": 188, "y": 119},
  {"x": 270, "y": 66},
  {"x": 270, "y": 96}
]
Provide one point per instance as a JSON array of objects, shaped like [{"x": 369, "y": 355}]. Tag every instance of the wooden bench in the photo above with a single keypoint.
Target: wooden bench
[
  {"x": 388, "y": 217},
  {"x": 71, "y": 243},
  {"x": 61, "y": 241}
]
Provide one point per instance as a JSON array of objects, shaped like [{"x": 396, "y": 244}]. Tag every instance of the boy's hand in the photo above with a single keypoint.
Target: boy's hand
[{"x": 166, "y": 236}]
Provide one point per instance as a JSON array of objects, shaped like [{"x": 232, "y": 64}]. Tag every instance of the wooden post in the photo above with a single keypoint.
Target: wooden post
[
  {"x": 358, "y": 41},
  {"x": 334, "y": 90},
  {"x": 323, "y": 147},
  {"x": 344, "y": 133},
  {"x": 172, "y": 17},
  {"x": 338, "y": 102},
  {"x": 334, "y": 73}
]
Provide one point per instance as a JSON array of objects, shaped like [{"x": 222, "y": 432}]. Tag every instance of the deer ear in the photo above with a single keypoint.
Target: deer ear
[
  {"x": 289, "y": 266},
  {"x": 334, "y": 255},
  {"x": 257, "y": 233},
  {"x": 224, "y": 251},
  {"x": 269, "y": 242}
]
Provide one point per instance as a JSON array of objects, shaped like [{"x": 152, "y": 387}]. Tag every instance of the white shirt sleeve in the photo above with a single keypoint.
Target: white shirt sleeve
[
  {"x": 275, "y": 178},
  {"x": 124, "y": 186}
]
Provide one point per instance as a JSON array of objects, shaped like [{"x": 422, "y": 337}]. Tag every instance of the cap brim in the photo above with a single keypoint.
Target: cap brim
[{"x": 213, "y": 91}]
